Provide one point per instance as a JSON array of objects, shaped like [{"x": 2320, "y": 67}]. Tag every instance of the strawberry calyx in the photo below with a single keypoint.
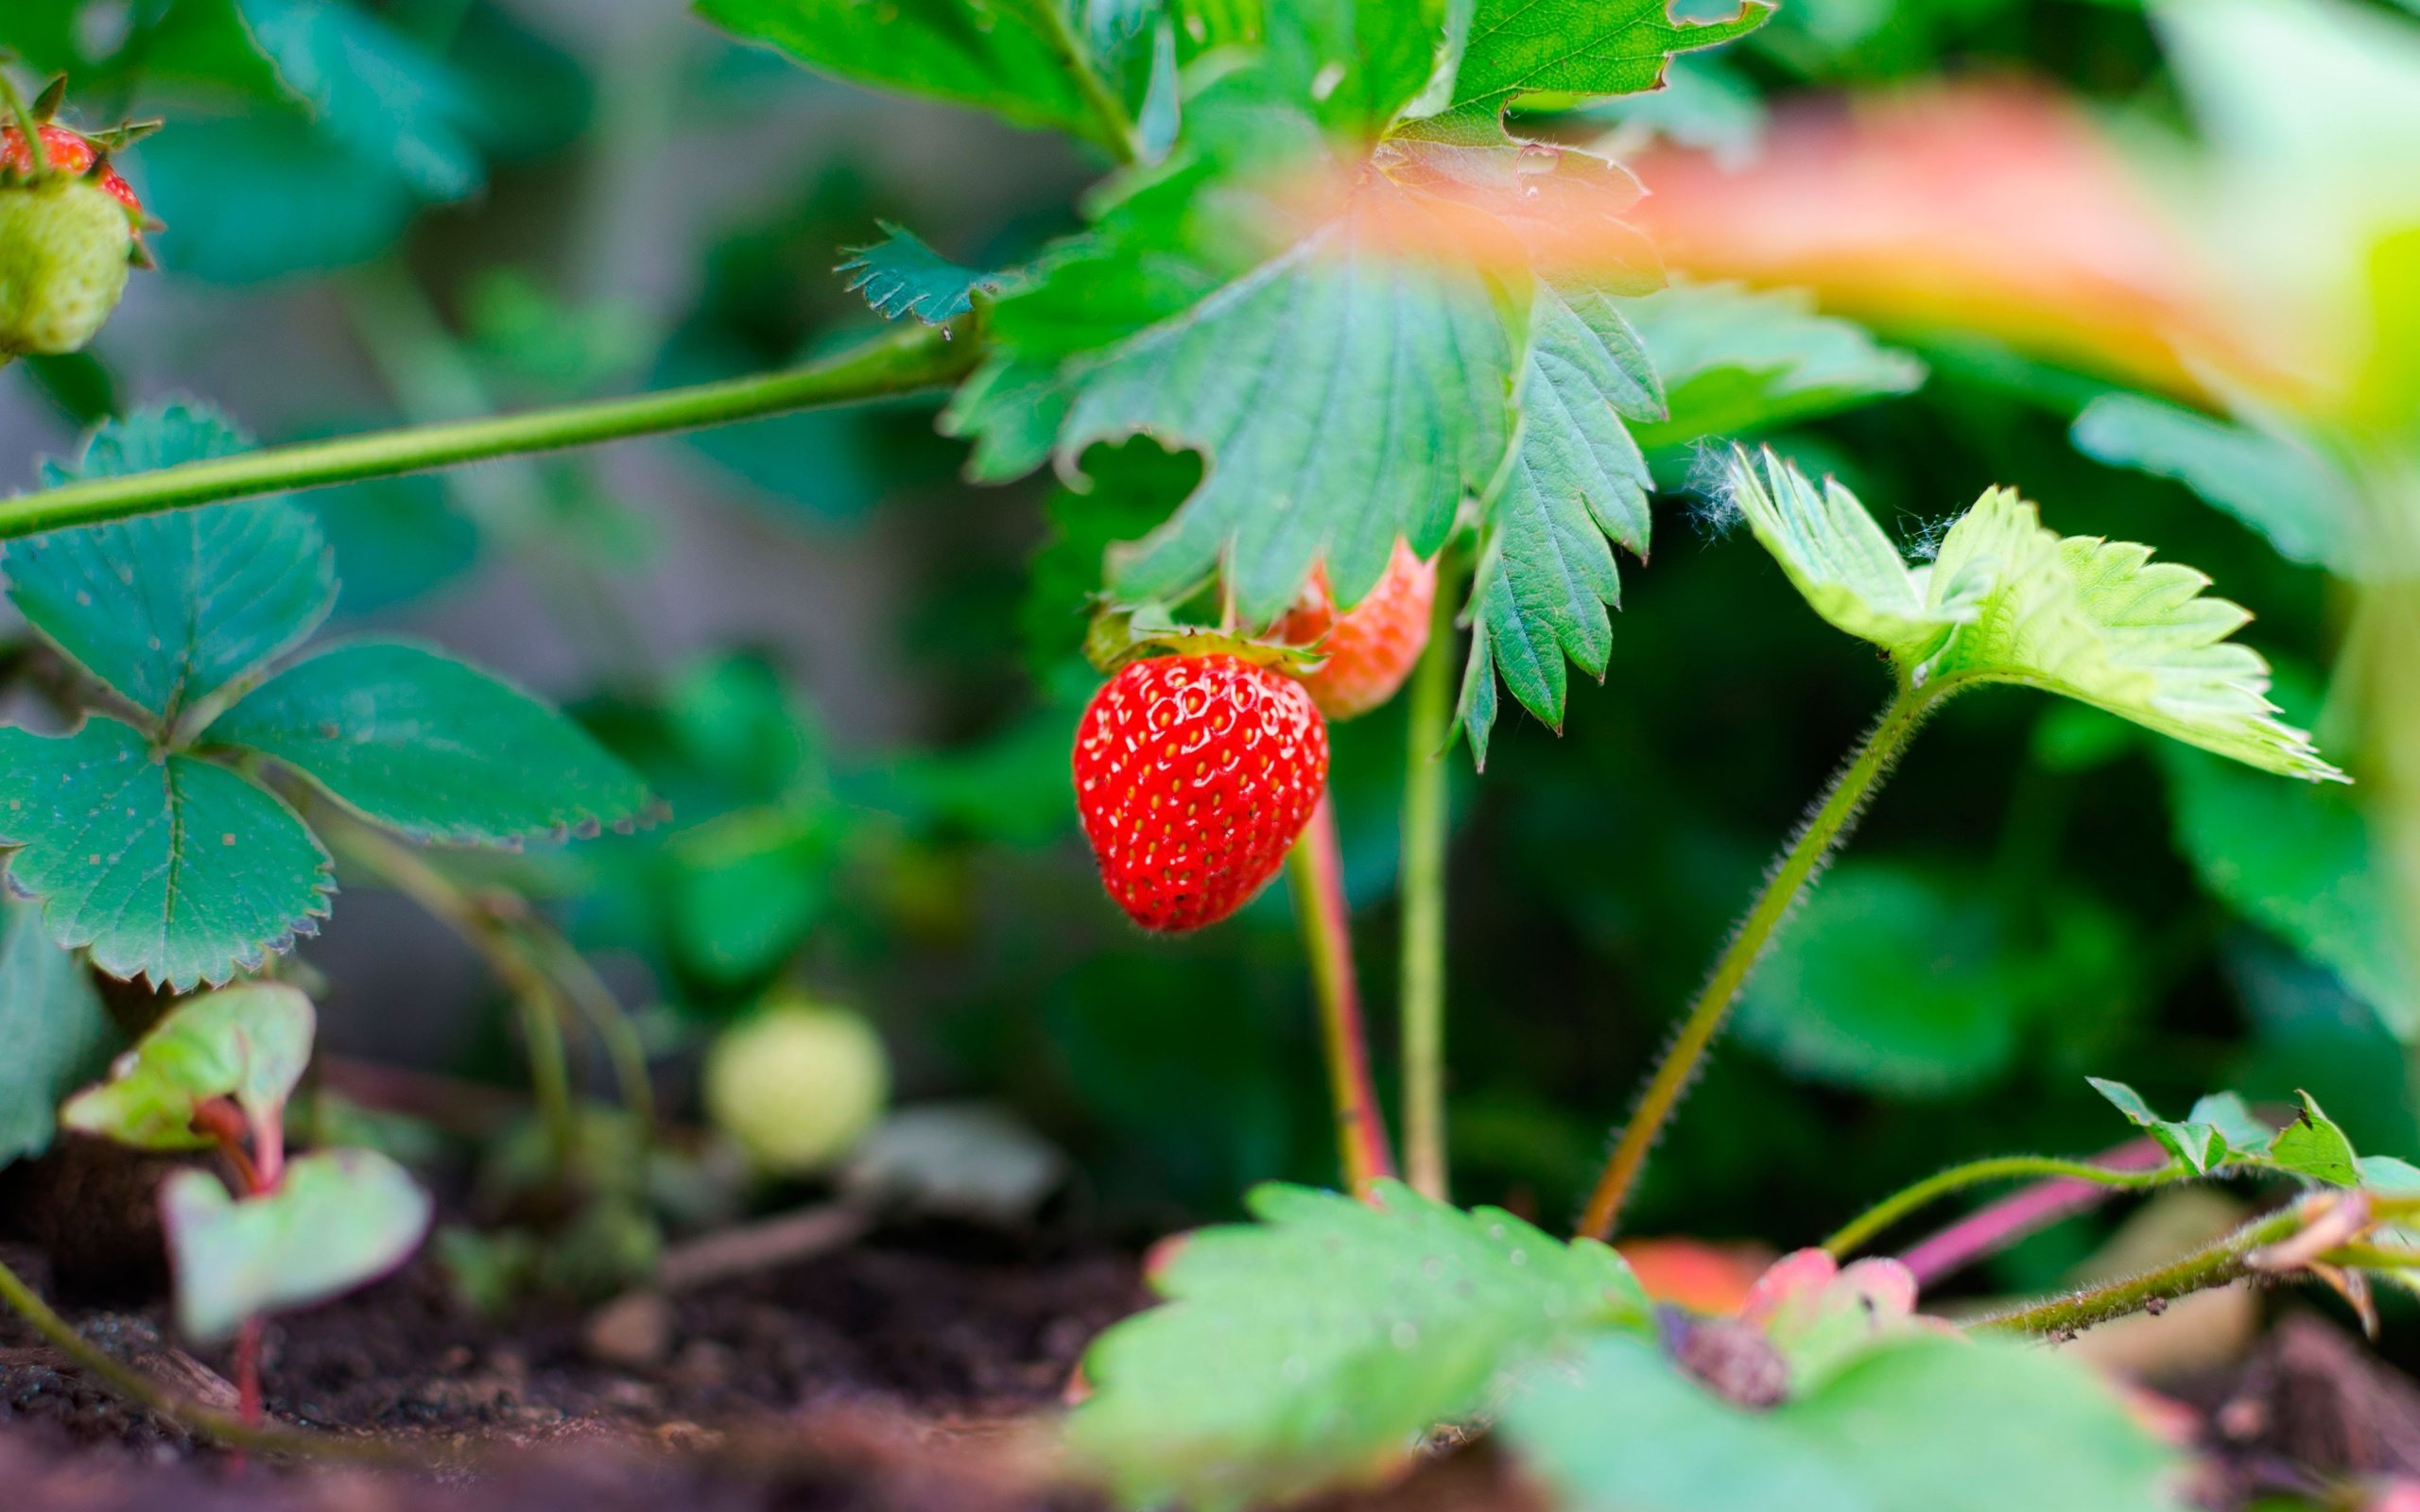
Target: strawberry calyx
[
  {"x": 35, "y": 148},
  {"x": 1121, "y": 633}
]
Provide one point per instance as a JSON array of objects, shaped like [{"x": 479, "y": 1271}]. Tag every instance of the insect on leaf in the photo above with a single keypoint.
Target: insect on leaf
[{"x": 169, "y": 868}]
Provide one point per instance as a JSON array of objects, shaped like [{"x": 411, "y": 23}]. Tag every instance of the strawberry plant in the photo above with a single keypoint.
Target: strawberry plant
[{"x": 1349, "y": 383}]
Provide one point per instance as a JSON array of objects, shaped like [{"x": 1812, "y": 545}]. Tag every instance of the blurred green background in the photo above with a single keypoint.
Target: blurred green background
[{"x": 853, "y": 675}]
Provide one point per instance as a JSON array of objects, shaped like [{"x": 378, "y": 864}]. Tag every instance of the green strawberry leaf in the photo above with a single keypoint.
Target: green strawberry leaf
[
  {"x": 1546, "y": 570},
  {"x": 167, "y": 609},
  {"x": 2302, "y": 862},
  {"x": 1915, "y": 1424},
  {"x": 1017, "y": 59},
  {"x": 2313, "y": 1146},
  {"x": 1737, "y": 360},
  {"x": 900, "y": 275},
  {"x": 374, "y": 91},
  {"x": 247, "y": 1043},
  {"x": 1839, "y": 559},
  {"x": 1344, "y": 398},
  {"x": 1319, "y": 1344},
  {"x": 433, "y": 749},
  {"x": 60, "y": 1035},
  {"x": 2205, "y": 1138},
  {"x": 1571, "y": 48},
  {"x": 2008, "y": 601},
  {"x": 2280, "y": 488},
  {"x": 338, "y": 1219},
  {"x": 168, "y": 868}
]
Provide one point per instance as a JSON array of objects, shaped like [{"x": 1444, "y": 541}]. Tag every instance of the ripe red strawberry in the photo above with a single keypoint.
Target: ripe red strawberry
[
  {"x": 1371, "y": 649},
  {"x": 70, "y": 153},
  {"x": 1193, "y": 776}
]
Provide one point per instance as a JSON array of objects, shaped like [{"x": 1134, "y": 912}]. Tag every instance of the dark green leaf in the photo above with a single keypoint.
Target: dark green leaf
[
  {"x": 1344, "y": 398},
  {"x": 900, "y": 275},
  {"x": 258, "y": 197},
  {"x": 1320, "y": 1343},
  {"x": 59, "y": 1034},
  {"x": 339, "y": 1218},
  {"x": 372, "y": 89},
  {"x": 171, "y": 868},
  {"x": 2300, "y": 862},
  {"x": 1546, "y": 573},
  {"x": 1008, "y": 57},
  {"x": 396, "y": 540},
  {"x": 429, "y": 746},
  {"x": 1914, "y": 1425},
  {"x": 167, "y": 609},
  {"x": 2308, "y": 510},
  {"x": 249, "y": 1043},
  {"x": 1736, "y": 361},
  {"x": 2200, "y": 1143}
]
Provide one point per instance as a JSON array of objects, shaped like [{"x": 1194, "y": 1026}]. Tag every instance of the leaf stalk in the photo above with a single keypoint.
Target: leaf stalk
[
  {"x": 1799, "y": 865},
  {"x": 1315, "y": 870},
  {"x": 1891, "y": 1210},
  {"x": 1424, "y": 816}
]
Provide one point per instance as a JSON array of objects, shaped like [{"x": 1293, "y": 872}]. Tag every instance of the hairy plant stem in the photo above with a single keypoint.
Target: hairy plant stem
[
  {"x": 1798, "y": 866},
  {"x": 1891, "y": 1209},
  {"x": 899, "y": 361},
  {"x": 536, "y": 996},
  {"x": 2214, "y": 1264},
  {"x": 1423, "y": 898},
  {"x": 1315, "y": 870},
  {"x": 37, "y": 155}
]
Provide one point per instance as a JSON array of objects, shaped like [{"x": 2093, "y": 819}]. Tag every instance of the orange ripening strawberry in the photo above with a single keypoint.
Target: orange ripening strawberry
[
  {"x": 70, "y": 153},
  {"x": 1372, "y": 648},
  {"x": 1194, "y": 774}
]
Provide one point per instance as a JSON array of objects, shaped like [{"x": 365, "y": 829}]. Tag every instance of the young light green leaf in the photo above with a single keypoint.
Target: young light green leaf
[
  {"x": 2296, "y": 499},
  {"x": 167, "y": 867},
  {"x": 60, "y": 1035},
  {"x": 900, "y": 275},
  {"x": 2313, "y": 1146},
  {"x": 1913, "y": 1425},
  {"x": 168, "y": 608},
  {"x": 1841, "y": 563},
  {"x": 2100, "y": 622},
  {"x": 1014, "y": 58},
  {"x": 1546, "y": 573},
  {"x": 1343, "y": 398},
  {"x": 2302, "y": 862},
  {"x": 429, "y": 746},
  {"x": 2204, "y": 1145},
  {"x": 1319, "y": 1344},
  {"x": 247, "y": 1043},
  {"x": 1737, "y": 360},
  {"x": 1518, "y": 47},
  {"x": 339, "y": 1218}
]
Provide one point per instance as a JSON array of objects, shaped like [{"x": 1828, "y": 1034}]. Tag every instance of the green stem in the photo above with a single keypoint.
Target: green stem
[
  {"x": 153, "y": 1398},
  {"x": 896, "y": 362},
  {"x": 597, "y": 1002},
  {"x": 1316, "y": 872},
  {"x": 1797, "y": 868},
  {"x": 37, "y": 155},
  {"x": 535, "y": 994},
  {"x": 2215, "y": 1264},
  {"x": 1424, "y": 901},
  {"x": 1997, "y": 1168},
  {"x": 1118, "y": 127}
]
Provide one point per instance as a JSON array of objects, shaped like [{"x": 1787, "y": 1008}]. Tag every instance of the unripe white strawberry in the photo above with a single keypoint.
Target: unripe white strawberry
[
  {"x": 797, "y": 1084},
  {"x": 65, "y": 247}
]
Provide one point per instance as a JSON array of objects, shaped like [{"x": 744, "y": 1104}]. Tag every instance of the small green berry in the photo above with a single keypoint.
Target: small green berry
[
  {"x": 65, "y": 245},
  {"x": 797, "y": 1084}
]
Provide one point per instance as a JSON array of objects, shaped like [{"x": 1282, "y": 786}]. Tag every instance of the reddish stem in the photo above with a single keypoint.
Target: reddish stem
[
  {"x": 1318, "y": 877},
  {"x": 247, "y": 1377},
  {"x": 1996, "y": 1226}
]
